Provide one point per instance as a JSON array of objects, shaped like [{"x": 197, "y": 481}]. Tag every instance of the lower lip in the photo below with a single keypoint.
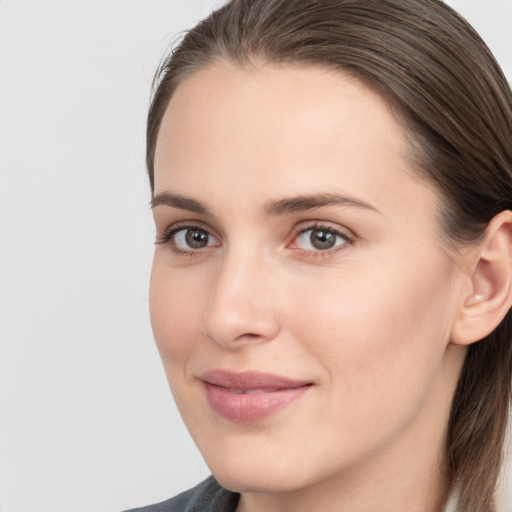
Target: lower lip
[{"x": 250, "y": 407}]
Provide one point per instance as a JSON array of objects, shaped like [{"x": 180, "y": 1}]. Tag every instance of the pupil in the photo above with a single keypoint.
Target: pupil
[
  {"x": 321, "y": 239},
  {"x": 196, "y": 238}
]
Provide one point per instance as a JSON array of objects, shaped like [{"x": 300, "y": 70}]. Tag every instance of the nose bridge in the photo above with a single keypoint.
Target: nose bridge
[{"x": 241, "y": 306}]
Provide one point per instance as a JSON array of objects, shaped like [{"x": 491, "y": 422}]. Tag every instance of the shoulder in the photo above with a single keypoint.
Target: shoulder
[{"x": 208, "y": 496}]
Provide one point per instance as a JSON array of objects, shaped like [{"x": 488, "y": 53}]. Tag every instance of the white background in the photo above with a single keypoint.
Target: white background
[{"x": 87, "y": 421}]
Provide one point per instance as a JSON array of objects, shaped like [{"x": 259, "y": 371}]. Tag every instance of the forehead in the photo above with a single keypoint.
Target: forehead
[
  {"x": 281, "y": 130},
  {"x": 264, "y": 99}
]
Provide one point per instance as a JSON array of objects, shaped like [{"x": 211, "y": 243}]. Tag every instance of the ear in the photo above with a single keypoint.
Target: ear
[{"x": 490, "y": 296}]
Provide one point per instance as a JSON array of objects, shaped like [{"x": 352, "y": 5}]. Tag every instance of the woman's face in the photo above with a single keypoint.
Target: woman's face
[{"x": 301, "y": 298}]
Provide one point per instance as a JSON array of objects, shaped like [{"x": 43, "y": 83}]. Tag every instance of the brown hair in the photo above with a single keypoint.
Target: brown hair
[{"x": 439, "y": 76}]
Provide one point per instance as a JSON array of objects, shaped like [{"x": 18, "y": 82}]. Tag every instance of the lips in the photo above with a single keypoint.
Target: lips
[{"x": 250, "y": 397}]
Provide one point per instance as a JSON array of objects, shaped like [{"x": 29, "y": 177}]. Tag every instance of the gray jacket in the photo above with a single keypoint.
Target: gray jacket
[{"x": 208, "y": 496}]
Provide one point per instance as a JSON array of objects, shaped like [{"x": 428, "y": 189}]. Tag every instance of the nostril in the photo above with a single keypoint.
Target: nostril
[
  {"x": 233, "y": 335},
  {"x": 249, "y": 336}
]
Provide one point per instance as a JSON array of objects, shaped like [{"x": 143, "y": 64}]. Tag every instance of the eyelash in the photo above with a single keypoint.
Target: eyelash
[
  {"x": 319, "y": 226},
  {"x": 167, "y": 237}
]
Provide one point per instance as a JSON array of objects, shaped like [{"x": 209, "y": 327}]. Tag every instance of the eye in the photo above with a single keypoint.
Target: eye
[
  {"x": 319, "y": 238},
  {"x": 187, "y": 240},
  {"x": 192, "y": 238}
]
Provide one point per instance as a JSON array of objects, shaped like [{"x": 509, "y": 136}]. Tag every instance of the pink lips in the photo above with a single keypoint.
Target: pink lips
[{"x": 249, "y": 397}]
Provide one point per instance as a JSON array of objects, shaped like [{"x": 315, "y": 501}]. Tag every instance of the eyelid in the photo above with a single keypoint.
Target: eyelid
[
  {"x": 337, "y": 230},
  {"x": 166, "y": 237},
  {"x": 168, "y": 233}
]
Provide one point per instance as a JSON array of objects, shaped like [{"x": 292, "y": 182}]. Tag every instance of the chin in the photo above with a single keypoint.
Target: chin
[
  {"x": 257, "y": 482},
  {"x": 258, "y": 472}
]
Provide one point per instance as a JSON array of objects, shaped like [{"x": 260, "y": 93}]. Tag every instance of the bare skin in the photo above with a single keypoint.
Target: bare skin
[{"x": 351, "y": 290}]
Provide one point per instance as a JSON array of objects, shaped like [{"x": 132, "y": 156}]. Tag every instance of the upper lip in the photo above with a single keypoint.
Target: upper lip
[{"x": 250, "y": 379}]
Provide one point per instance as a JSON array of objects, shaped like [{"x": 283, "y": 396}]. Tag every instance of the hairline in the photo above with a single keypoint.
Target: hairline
[{"x": 414, "y": 154}]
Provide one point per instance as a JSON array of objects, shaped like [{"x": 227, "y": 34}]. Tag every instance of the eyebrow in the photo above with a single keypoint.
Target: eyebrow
[
  {"x": 272, "y": 208},
  {"x": 310, "y": 202},
  {"x": 180, "y": 202}
]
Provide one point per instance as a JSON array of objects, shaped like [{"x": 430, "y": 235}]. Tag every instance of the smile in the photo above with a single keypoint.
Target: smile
[{"x": 250, "y": 397}]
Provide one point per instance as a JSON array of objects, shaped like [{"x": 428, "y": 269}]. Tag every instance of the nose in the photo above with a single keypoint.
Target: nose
[{"x": 242, "y": 307}]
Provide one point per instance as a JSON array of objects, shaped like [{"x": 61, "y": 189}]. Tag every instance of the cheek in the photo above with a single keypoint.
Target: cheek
[
  {"x": 381, "y": 333},
  {"x": 176, "y": 310}
]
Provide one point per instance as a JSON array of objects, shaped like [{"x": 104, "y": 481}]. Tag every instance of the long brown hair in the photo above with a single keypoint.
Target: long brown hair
[{"x": 442, "y": 81}]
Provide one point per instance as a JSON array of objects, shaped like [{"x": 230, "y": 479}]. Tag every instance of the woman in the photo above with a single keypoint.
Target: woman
[{"x": 331, "y": 287}]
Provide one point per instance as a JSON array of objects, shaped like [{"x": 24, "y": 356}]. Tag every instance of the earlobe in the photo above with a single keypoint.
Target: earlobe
[{"x": 490, "y": 295}]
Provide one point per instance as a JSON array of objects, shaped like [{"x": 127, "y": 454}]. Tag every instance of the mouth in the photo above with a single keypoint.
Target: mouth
[
  {"x": 252, "y": 391},
  {"x": 250, "y": 397}
]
